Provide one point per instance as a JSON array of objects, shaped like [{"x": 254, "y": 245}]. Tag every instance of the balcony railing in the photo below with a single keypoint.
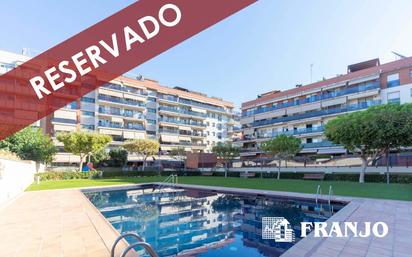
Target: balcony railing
[
  {"x": 177, "y": 110},
  {"x": 183, "y": 143},
  {"x": 123, "y": 113},
  {"x": 324, "y": 143},
  {"x": 292, "y": 132},
  {"x": 179, "y": 132},
  {"x": 324, "y": 96},
  {"x": 121, "y": 100},
  {"x": 125, "y": 89},
  {"x": 347, "y": 108},
  {"x": 190, "y": 123},
  {"x": 62, "y": 120},
  {"x": 120, "y": 126}
]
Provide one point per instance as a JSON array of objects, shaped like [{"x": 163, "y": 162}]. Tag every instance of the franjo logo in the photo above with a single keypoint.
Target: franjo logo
[{"x": 279, "y": 229}]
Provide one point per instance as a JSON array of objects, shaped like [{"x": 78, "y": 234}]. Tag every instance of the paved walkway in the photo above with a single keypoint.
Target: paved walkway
[{"x": 59, "y": 223}]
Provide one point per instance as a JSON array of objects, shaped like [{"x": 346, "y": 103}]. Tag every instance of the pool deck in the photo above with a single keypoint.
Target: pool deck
[
  {"x": 64, "y": 223},
  {"x": 58, "y": 223}
]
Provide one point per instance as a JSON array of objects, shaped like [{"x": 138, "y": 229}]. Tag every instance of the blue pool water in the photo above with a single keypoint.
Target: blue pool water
[{"x": 201, "y": 223}]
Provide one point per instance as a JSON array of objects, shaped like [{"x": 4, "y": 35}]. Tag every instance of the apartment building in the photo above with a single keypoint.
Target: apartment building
[
  {"x": 140, "y": 108},
  {"x": 303, "y": 111}
]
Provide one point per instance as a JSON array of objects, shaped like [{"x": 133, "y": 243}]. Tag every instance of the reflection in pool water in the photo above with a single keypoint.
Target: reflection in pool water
[{"x": 201, "y": 223}]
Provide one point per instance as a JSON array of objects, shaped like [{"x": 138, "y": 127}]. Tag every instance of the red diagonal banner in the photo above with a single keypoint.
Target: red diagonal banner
[{"x": 101, "y": 53}]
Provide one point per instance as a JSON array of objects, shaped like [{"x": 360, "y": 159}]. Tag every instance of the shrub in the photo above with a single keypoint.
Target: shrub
[{"x": 66, "y": 175}]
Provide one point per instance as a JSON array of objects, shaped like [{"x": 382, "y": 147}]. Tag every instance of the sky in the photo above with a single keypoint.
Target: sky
[{"x": 267, "y": 46}]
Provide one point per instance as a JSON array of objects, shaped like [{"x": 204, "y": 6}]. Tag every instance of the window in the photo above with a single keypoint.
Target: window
[
  {"x": 411, "y": 92},
  {"x": 86, "y": 113},
  {"x": 309, "y": 140},
  {"x": 394, "y": 97},
  {"x": 393, "y": 80},
  {"x": 87, "y": 99},
  {"x": 86, "y": 126},
  {"x": 153, "y": 122},
  {"x": 410, "y": 73},
  {"x": 151, "y": 110}
]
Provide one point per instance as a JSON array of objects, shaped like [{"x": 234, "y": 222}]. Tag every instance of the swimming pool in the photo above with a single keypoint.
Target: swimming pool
[{"x": 204, "y": 223}]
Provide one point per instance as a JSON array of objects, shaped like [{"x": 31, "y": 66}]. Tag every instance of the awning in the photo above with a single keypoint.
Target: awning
[
  {"x": 185, "y": 128},
  {"x": 198, "y": 110},
  {"x": 331, "y": 150},
  {"x": 308, "y": 150},
  {"x": 117, "y": 119},
  {"x": 169, "y": 138},
  {"x": 185, "y": 138}
]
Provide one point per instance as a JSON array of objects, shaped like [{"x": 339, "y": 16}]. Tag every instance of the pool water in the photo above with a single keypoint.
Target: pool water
[{"x": 201, "y": 223}]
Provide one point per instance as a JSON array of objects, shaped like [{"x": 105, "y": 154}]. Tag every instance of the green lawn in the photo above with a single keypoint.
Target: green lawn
[{"x": 373, "y": 190}]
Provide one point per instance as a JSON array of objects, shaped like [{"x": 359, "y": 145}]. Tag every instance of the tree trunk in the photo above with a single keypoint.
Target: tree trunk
[
  {"x": 387, "y": 167},
  {"x": 226, "y": 168},
  {"x": 280, "y": 162},
  {"x": 144, "y": 163},
  {"x": 81, "y": 163},
  {"x": 362, "y": 173}
]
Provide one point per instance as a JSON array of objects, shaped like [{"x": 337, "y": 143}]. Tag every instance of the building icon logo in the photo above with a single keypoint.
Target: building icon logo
[{"x": 277, "y": 228}]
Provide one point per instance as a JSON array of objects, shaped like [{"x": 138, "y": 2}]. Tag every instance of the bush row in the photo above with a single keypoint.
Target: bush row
[
  {"x": 65, "y": 175},
  {"x": 377, "y": 178}
]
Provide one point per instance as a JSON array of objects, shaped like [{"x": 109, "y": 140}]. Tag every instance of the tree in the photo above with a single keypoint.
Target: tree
[
  {"x": 179, "y": 153},
  {"x": 283, "y": 147},
  {"x": 98, "y": 157},
  {"x": 226, "y": 152},
  {"x": 30, "y": 144},
  {"x": 393, "y": 128},
  {"x": 143, "y": 147},
  {"x": 373, "y": 133},
  {"x": 83, "y": 143},
  {"x": 357, "y": 133},
  {"x": 118, "y": 156}
]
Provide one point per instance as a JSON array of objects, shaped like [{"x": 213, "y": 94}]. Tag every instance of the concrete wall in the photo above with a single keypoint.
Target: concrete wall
[{"x": 15, "y": 177}]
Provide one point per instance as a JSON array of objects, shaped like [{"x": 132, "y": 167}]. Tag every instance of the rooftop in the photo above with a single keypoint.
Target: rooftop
[{"x": 355, "y": 71}]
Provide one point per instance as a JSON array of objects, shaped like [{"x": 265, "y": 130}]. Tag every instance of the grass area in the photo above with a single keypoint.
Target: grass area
[{"x": 344, "y": 188}]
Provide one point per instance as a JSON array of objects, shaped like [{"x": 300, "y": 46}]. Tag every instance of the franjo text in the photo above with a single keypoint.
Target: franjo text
[
  {"x": 83, "y": 62},
  {"x": 349, "y": 229}
]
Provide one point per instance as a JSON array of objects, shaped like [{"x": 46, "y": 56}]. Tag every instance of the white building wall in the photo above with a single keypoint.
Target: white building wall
[
  {"x": 405, "y": 93},
  {"x": 15, "y": 177}
]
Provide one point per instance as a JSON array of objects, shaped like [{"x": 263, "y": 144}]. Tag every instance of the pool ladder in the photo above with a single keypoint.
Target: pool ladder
[
  {"x": 140, "y": 242},
  {"x": 172, "y": 179},
  {"x": 330, "y": 195}
]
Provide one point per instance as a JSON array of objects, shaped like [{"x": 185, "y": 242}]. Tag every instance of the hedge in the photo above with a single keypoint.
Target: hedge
[
  {"x": 377, "y": 178},
  {"x": 66, "y": 175}
]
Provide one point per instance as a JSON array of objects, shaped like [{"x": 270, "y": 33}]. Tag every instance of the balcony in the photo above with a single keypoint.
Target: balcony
[
  {"x": 126, "y": 89},
  {"x": 184, "y": 143},
  {"x": 119, "y": 100},
  {"x": 121, "y": 126},
  {"x": 66, "y": 121},
  {"x": 182, "y": 111},
  {"x": 123, "y": 113},
  {"x": 180, "y": 132},
  {"x": 323, "y": 96},
  {"x": 324, "y": 143},
  {"x": 348, "y": 108},
  {"x": 294, "y": 132},
  {"x": 182, "y": 122}
]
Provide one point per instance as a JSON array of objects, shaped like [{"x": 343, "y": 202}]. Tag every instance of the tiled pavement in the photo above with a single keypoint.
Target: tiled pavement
[
  {"x": 63, "y": 223},
  {"x": 60, "y": 223}
]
